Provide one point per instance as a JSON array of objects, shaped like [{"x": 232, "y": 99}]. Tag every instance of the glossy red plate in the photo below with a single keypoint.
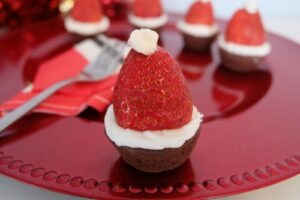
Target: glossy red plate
[{"x": 250, "y": 138}]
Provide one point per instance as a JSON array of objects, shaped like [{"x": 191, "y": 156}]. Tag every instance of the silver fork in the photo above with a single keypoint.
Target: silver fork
[{"x": 104, "y": 65}]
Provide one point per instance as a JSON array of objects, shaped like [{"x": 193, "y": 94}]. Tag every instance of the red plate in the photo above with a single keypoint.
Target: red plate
[{"x": 250, "y": 138}]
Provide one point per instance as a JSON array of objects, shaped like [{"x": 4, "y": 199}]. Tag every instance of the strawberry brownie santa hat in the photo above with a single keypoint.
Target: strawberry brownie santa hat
[
  {"x": 244, "y": 45},
  {"x": 152, "y": 122},
  {"x": 199, "y": 28},
  {"x": 246, "y": 26},
  {"x": 87, "y": 18}
]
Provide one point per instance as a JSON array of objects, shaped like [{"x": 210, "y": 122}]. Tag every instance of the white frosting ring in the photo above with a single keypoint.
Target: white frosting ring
[
  {"x": 197, "y": 30},
  {"x": 149, "y": 22},
  {"x": 152, "y": 140},
  {"x": 244, "y": 50},
  {"x": 86, "y": 28}
]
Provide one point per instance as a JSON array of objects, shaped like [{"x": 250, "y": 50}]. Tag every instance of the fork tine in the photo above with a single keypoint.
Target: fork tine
[
  {"x": 96, "y": 61},
  {"x": 115, "y": 54},
  {"x": 113, "y": 65},
  {"x": 106, "y": 57}
]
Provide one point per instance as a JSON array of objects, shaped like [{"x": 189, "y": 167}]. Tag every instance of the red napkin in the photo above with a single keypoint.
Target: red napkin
[{"x": 72, "y": 99}]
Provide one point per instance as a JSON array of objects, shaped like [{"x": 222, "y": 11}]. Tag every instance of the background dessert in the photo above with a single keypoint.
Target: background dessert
[
  {"x": 147, "y": 14},
  {"x": 244, "y": 44},
  {"x": 152, "y": 121},
  {"x": 199, "y": 28},
  {"x": 87, "y": 18}
]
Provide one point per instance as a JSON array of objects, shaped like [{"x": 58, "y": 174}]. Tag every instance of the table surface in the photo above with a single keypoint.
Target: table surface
[{"x": 287, "y": 190}]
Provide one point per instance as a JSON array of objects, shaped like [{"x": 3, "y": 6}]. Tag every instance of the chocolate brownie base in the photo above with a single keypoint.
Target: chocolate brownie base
[
  {"x": 198, "y": 43},
  {"x": 240, "y": 63},
  {"x": 155, "y": 161}
]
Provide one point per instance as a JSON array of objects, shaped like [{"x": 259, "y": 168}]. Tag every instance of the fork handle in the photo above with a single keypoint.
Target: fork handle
[{"x": 13, "y": 116}]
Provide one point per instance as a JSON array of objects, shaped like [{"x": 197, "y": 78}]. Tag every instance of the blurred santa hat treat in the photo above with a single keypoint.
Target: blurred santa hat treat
[
  {"x": 147, "y": 14},
  {"x": 244, "y": 44},
  {"x": 199, "y": 28},
  {"x": 86, "y": 18}
]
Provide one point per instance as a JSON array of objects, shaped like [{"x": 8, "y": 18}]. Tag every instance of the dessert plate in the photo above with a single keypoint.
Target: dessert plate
[{"x": 250, "y": 138}]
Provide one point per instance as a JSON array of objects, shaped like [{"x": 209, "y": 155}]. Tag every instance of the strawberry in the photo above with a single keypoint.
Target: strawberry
[
  {"x": 200, "y": 13},
  {"x": 87, "y": 11},
  {"x": 151, "y": 94},
  {"x": 246, "y": 28},
  {"x": 147, "y": 8}
]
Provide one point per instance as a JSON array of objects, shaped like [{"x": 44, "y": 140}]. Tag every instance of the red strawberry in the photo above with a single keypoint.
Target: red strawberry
[
  {"x": 147, "y": 8},
  {"x": 87, "y": 11},
  {"x": 151, "y": 94},
  {"x": 200, "y": 13},
  {"x": 246, "y": 28}
]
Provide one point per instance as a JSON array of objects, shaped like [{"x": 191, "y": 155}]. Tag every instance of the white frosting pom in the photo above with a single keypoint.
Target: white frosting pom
[
  {"x": 251, "y": 6},
  {"x": 143, "y": 41}
]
